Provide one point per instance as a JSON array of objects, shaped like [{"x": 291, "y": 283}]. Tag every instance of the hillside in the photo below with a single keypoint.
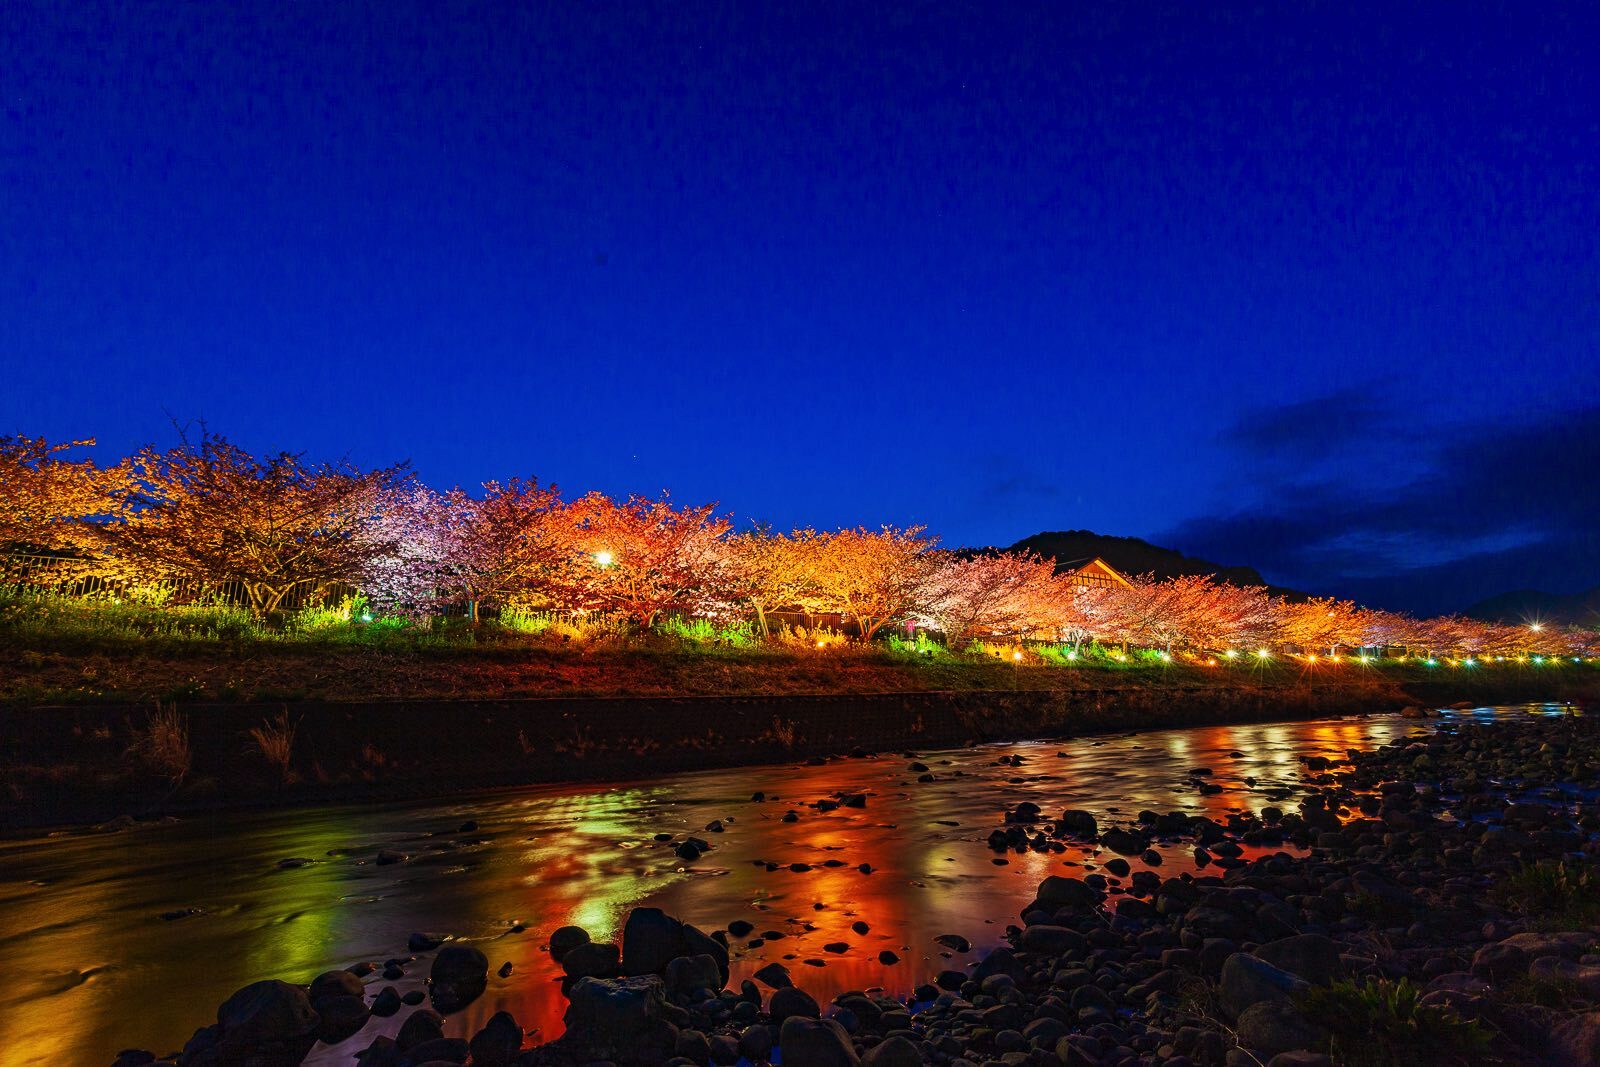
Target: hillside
[
  {"x": 1525, "y": 605},
  {"x": 1132, "y": 555}
]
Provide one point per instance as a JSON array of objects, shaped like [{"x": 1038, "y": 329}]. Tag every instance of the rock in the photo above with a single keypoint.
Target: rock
[
  {"x": 897, "y": 1051},
  {"x": 1078, "y": 822},
  {"x": 420, "y": 942},
  {"x": 610, "y": 1013},
  {"x": 566, "y": 939},
  {"x": 1274, "y": 1026},
  {"x": 420, "y": 1027},
  {"x": 954, "y": 942},
  {"x": 389, "y": 856},
  {"x": 498, "y": 1043},
  {"x": 773, "y": 976},
  {"x": 724, "y": 1050},
  {"x": 266, "y": 1021},
  {"x": 755, "y": 1043},
  {"x": 386, "y": 1003},
  {"x": 1500, "y": 961},
  {"x": 1051, "y": 940},
  {"x": 789, "y": 1002},
  {"x": 651, "y": 939},
  {"x": 1247, "y": 980},
  {"x": 458, "y": 976},
  {"x": 686, "y": 974},
  {"x": 592, "y": 959},
  {"x": 334, "y": 984},
  {"x": 341, "y": 1017},
  {"x": 1577, "y": 1041},
  {"x": 697, "y": 942},
  {"x": 1310, "y": 956},
  {"x": 815, "y": 1043},
  {"x": 438, "y": 1051},
  {"x": 888, "y": 958},
  {"x": 1123, "y": 842},
  {"x": 1056, "y": 892}
]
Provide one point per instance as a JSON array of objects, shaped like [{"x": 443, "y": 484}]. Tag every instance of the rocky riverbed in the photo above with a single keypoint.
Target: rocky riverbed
[{"x": 1433, "y": 901}]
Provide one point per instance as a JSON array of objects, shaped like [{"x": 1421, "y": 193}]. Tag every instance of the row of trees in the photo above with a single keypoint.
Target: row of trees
[{"x": 211, "y": 515}]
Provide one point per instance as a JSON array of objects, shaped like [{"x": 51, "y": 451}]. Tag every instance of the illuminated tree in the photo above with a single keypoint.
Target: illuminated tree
[
  {"x": 992, "y": 595},
  {"x": 452, "y": 548},
  {"x": 213, "y": 513},
  {"x": 46, "y": 500},
  {"x": 770, "y": 572},
  {"x": 643, "y": 557},
  {"x": 1318, "y": 623},
  {"x": 872, "y": 577}
]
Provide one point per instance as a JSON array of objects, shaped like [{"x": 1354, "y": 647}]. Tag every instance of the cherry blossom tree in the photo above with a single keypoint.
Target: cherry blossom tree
[
  {"x": 991, "y": 595},
  {"x": 46, "y": 499},
  {"x": 872, "y": 577},
  {"x": 213, "y": 513},
  {"x": 770, "y": 572},
  {"x": 643, "y": 557}
]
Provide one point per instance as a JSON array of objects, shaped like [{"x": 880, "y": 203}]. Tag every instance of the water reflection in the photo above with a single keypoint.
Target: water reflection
[{"x": 96, "y": 968}]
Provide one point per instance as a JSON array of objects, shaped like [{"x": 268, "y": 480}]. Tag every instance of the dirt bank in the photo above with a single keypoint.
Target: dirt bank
[{"x": 92, "y": 762}]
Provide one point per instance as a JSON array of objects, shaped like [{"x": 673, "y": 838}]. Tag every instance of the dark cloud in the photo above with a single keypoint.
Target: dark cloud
[
  {"x": 1309, "y": 427},
  {"x": 1478, "y": 509}
]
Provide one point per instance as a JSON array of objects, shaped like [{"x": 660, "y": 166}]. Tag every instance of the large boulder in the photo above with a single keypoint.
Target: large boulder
[
  {"x": 592, "y": 959},
  {"x": 1310, "y": 956},
  {"x": 566, "y": 939},
  {"x": 897, "y": 1051},
  {"x": 790, "y": 1002},
  {"x": 1247, "y": 980},
  {"x": 1273, "y": 1026},
  {"x": 265, "y": 1024},
  {"x": 815, "y": 1043},
  {"x": 1050, "y": 940},
  {"x": 1577, "y": 1041},
  {"x": 458, "y": 977},
  {"x": 498, "y": 1043},
  {"x": 651, "y": 939},
  {"x": 612, "y": 1013},
  {"x": 1056, "y": 893},
  {"x": 686, "y": 974}
]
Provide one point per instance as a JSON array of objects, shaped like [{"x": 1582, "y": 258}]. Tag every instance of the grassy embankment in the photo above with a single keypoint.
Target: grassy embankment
[{"x": 64, "y": 651}]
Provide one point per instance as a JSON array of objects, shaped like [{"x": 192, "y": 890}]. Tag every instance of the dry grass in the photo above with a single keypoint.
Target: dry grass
[
  {"x": 274, "y": 740},
  {"x": 163, "y": 744}
]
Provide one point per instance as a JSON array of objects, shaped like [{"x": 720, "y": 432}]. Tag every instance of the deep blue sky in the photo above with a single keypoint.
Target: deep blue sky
[{"x": 1306, "y": 286}]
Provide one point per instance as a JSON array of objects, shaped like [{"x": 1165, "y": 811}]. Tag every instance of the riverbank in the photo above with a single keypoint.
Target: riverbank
[
  {"x": 1435, "y": 900},
  {"x": 90, "y": 762}
]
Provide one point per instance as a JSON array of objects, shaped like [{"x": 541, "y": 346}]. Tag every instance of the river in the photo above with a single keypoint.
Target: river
[{"x": 131, "y": 939}]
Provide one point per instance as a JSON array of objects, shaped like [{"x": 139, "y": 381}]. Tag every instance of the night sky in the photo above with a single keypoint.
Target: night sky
[{"x": 1309, "y": 287}]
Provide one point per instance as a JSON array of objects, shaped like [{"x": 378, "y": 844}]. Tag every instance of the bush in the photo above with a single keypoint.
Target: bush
[
  {"x": 1555, "y": 896},
  {"x": 702, "y": 632},
  {"x": 1380, "y": 1023}
]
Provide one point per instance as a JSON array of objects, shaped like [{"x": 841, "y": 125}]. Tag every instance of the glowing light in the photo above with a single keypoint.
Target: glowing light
[
  {"x": 1232, "y": 653},
  {"x": 1536, "y": 627},
  {"x": 822, "y": 644},
  {"x": 1366, "y": 659},
  {"x": 1538, "y": 659},
  {"x": 1166, "y": 657},
  {"x": 1072, "y": 655},
  {"x": 603, "y": 558},
  {"x": 1432, "y": 662},
  {"x": 1262, "y": 653},
  {"x": 1312, "y": 658},
  {"x": 366, "y": 616},
  {"x": 1469, "y": 662},
  {"x": 1016, "y": 657}
]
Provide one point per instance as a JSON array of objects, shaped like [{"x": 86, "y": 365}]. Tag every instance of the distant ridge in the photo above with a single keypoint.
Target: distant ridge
[
  {"x": 1530, "y": 605},
  {"x": 1135, "y": 556}
]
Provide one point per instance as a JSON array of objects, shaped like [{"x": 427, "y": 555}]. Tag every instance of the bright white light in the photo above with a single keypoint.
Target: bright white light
[
  {"x": 1017, "y": 657},
  {"x": 1166, "y": 657},
  {"x": 1263, "y": 653},
  {"x": 603, "y": 558},
  {"x": 1232, "y": 653},
  {"x": 1536, "y": 626},
  {"x": 1072, "y": 655}
]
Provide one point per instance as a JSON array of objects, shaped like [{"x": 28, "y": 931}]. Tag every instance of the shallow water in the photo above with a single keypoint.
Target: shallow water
[{"x": 94, "y": 967}]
